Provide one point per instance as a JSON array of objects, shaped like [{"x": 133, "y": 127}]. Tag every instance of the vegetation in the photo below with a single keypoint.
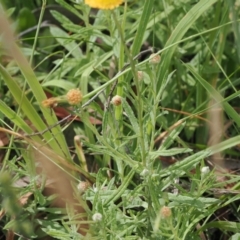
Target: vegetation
[{"x": 122, "y": 123}]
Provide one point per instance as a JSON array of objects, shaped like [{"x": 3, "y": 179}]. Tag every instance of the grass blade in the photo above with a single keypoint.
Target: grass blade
[{"x": 178, "y": 33}]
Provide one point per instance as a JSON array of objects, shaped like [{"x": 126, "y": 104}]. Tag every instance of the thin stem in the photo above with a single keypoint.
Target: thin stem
[
  {"x": 37, "y": 31},
  {"x": 118, "y": 109},
  {"x": 138, "y": 95}
]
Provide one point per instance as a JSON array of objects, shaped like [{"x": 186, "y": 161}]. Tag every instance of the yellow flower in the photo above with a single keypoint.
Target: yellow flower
[
  {"x": 74, "y": 96},
  {"x": 104, "y": 4}
]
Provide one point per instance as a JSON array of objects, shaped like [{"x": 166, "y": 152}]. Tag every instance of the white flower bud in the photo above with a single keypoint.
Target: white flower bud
[
  {"x": 116, "y": 100},
  {"x": 145, "y": 172},
  {"x": 205, "y": 170},
  {"x": 95, "y": 188},
  {"x": 97, "y": 217}
]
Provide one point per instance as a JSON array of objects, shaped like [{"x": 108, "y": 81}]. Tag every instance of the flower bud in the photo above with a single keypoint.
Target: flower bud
[
  {"x": 205, "y": 170},
  {"x": 97, "y": 217},
  {"x": 50, "y": 102},
  {"x": 165, "y": 212},
  {"x": 145, "y": 172},
  {"x": 140, "y": 75},
  {"x": 83, "y": 186},
  {"x": 74, "y": 96},
  {"x": 154, "y": 59},
  {"x": 116, "y": 100},
  {"x": 95, "y": 188}
]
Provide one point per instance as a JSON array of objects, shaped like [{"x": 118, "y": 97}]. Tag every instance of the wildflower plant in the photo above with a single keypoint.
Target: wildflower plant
[{"x": 132, "y": 81}]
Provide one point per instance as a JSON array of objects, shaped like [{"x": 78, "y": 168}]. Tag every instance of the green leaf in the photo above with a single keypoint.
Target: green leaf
[
  {"x": 133, "y": 120},
  {"x": 199, "y": 203},
  {"x": 196, "y": 11},
  {"x": 25, "y": 19},
  {"x": 69, "y": 7},
  {"x": 32, "y": 81},
  {"x": 66, "y": 85},
  {"x": 10, "y": 11},
  {"x": 22, "y": 100},
  {"x": 11, "y": 115},
  {"x": 190, "y": 162},
  {"x": 170, "y": 152},
  {"x": 172, "y": 136},
  {"x": 235, "y": 237},
  {"x": 138, "y": 39},
  {"x": 121, "y": 189},
  {"x": 60, "y": 17},
  {"x": 52, "y": 210},
  {"x": 222, "y": 225},
  {"x": 216, "y": 95},
  {"x": 64, "y": 39}
]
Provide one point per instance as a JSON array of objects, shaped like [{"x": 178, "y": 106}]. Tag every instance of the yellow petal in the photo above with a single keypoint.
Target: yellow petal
[{"x": 104, "y": 4}]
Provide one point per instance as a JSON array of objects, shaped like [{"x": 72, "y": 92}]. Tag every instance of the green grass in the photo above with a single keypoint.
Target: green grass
[{"x": 131, "y": 171}]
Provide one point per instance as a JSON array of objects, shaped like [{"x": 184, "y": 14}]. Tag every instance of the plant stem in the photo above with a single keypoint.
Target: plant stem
[{"x": 138, "y": 95}]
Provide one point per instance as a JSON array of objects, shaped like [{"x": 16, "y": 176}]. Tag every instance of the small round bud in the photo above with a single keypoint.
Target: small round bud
[
  {"x": 83, "y": 186},
  {"x": 205, "y": 170},
  {"x": 77, "y": 138},
  {"x": 95, "y": 188},
  {"x": 145, "y": 172},
  {"x": 116, "y": 100},
  {"x": 140, "y": 75},
  {"x": 50, "y": 103},
  {"x": 97, "y": 217},
  {"x": 165, "y": 212},
  {"x": 74, "y": 96},
  {"x": 154, "y": 59}
]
